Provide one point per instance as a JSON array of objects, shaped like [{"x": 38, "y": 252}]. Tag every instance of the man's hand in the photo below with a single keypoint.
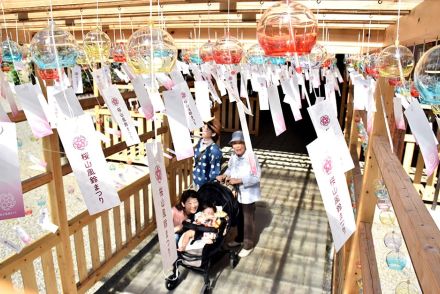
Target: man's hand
[{"x": 221, "y": 178}]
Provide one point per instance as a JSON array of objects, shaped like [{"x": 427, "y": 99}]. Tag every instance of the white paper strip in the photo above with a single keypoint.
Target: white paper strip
[
  {"x": 424, "y": 136},
  {"x": 202, "y": 99},
  {"x": 193, "y": 118},
  {"x": 68, "y": 103},
  {"x": 244, "y": 126},
  {"x": 128, "y": 71},
  {"x": 177, "y": 122},
  {"x": 120, "y": 114},
  {"x": 398, "y": 114},
  {"x": 87, "y": 160},
  {"x": 156, "y": 100},
  {"x": 44, "y": 104},
  {"x": 121, "y": 75},
  {"x": 323, "y": 119},
  {"x": 3, "y": 115},
  {"x": 143, "y": 97},
  {"x": 162, "y": 205},
  {"x": 77, "y": 82},
  {"x": 11, "y": 195},
  {"x": 101, "y": 80},
  {"x": 334, "y": 191},
  {"x": 7, "y": 92},
  {"x": 276, "y": 110}
]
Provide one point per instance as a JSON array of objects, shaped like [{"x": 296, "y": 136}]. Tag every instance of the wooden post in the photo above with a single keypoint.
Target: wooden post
[
  {"x": 367, "y": 200},
  {"x": 57, "y": 206}
]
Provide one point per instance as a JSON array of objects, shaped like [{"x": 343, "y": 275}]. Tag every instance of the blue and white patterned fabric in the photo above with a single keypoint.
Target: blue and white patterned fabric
[{"x": 206, "y": 166}]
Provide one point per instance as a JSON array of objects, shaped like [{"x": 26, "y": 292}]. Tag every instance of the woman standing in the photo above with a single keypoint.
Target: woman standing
[
  {"x": 244, "y": 173},
  {"x": 207, "y": 154}
]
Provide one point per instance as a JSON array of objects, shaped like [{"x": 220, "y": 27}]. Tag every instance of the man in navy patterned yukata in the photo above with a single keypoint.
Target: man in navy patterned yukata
[{"x": 207, "y": 154}]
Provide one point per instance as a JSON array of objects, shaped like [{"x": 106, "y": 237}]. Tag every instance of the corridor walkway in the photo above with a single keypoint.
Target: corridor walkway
[{"x": 294, "y": 248}]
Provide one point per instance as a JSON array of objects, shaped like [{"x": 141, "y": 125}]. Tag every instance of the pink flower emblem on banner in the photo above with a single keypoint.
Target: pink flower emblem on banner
[
  {"x": 115, "y": 101},
  {"x": 79, "y": 142},
  {"x": 324, "y": 120},
  {"x": 7, "y": 201},
  {"x": 158, "y": 174},
  {"x": 327, "y": 166}
]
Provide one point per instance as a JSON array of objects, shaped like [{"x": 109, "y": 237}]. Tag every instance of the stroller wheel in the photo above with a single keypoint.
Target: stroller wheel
[
  {"x": 207, "y": 289},
  {"x": 171, "y": 284},
  {"x": 233, "y": 259}
]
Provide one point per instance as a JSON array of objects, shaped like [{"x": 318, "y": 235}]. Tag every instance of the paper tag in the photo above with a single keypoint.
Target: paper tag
[
  {"x": 45, "y": 223},
  {"x": 77, "y": 82},
  {"x": 22, "y": 235},
  {"x": 202, "y": 99},
  {"x": 316, "y": 83},
  {"x": 121, "y": 75},
  {"x": 162, "y": 204},
  {"x": 101, "y": 80},
  {"x": 424, "y": 136},
  {"x": 178, "y": 125},
  {"x": 398, "y": 114},
  {"x": 11, "y": 195},
  {"x": 10, "y": 97},
  {"x": 244, "y": 126},
  {"x": 143, "y": 97},
  {"x": 276, "y": 110},
  {"x": 120, "y": 114},
  {"x": 177, "y": 77},
  {"x": 296, "y": 112},
  {"x": 68, "y": 103},
  {"x": 128, "y": 71},
  {"x": 193, "y": 118},
  {"x": 3, "y": 115},
  {"x": 88, "y": 163},
  {"x": 334, "y": 190},
  {"x": 164, "y": 80}
]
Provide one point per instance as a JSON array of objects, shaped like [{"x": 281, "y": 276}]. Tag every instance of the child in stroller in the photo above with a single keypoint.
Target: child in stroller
[
  {"x": 199, "y": 259},
  {"x": 207, "y": 217}
]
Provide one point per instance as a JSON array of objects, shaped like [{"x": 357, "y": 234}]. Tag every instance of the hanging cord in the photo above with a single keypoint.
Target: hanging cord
[
  {"x": 8, "y": 39},
  {"x": 209, "y": 20},
  {"x": 57, "y": 61},
  {"x": 16, "y": 29},
  {"x": 120, "y": 23},
  {"x": 369, "y": 33}
]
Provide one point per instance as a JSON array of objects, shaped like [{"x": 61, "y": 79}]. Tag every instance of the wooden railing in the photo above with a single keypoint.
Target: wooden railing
[
  {"x": 65, "y": 264},
  {"x": 227, "y": 113},
  {"x": 421, "y": 235}
]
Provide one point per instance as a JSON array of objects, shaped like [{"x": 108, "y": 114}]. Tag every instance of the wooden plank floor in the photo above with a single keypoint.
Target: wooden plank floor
[{"x": 293, "y": 253}]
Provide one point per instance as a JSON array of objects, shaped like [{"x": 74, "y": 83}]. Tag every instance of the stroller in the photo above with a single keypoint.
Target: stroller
[{"x": 200, "y": 259}]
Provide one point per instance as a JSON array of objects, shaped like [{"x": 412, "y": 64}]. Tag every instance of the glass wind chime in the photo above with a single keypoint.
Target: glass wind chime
[
  {"x": 287, "y": 28},
  {"x": 53, "y": 48}
]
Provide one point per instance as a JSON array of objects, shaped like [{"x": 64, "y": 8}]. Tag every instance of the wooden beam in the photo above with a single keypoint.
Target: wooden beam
[
  {"x": 36, "y": 181},
  {"x": 422, "y": 236}
]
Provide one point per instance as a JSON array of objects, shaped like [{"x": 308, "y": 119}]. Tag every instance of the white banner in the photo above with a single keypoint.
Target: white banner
[
  {"x": 83, "y": 149},
  {"x": 120, "y": 114},
  {"x": 424, "y": 136},
  {"x": 3, "y": 115},
  {"x": 202, "y": 99},
  {"x": 398, "y": 114},
  {"x": 11, "y": 194},
  {"x": 32, "y": 108},
  {"x": 275, "y": 110},
  {"x": 177, "y": 121},
  {"x": 143, "y": 97},
  {"x": 334, "y": 191},
  {"x": 193, "y": 118},
  {"x": 68, "y": 103},
  {"x": 162, "y": 205},
  {"x": 77, "y": 82},
  {"x": 323, "y": 119}
]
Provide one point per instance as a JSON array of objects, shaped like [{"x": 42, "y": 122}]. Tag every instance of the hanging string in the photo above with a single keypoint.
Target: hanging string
[
  {"x": 228, "y": 17},
  {"x": 8, "y": 40},
  {"x": 60, "y": 76},
  {"x": 398, "y": 23},
  {"x": 369, "y": 32},
  {"x": 209, "y": 21},
  {"x": 16, "y": 29},
  {"x": 120, "y": 23}
]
